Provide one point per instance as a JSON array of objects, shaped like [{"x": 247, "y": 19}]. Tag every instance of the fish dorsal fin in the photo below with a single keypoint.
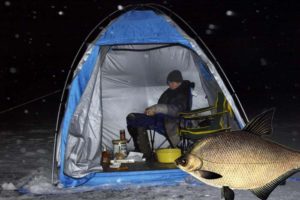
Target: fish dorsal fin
[
  {"x": 265, "y": 191},
  {"x": 261, "y": 124}
]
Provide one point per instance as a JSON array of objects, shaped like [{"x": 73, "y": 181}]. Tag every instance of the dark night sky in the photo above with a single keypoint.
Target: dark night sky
[{"x": 256, "y": 43}]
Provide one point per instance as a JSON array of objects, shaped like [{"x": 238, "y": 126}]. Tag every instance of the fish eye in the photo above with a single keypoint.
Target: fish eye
[{"x": 183, "y": 161}]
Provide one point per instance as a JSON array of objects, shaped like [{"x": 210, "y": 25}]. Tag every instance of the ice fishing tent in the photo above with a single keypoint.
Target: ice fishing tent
[{"x": 124, "y": 70}]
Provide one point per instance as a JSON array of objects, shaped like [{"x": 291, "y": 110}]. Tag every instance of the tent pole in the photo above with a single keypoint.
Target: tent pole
[{"x": 53, "y": 158}]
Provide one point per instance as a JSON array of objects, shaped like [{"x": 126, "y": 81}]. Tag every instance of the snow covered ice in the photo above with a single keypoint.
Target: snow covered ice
[
  {"x": 8, "y": 186},
  {"x": 25, "y": 161}
]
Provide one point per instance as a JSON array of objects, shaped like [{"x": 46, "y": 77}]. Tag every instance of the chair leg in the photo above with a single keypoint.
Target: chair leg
[
  {"x": 152, "y": 139},
  {"x": 162, "y": 143},
  {"x": 185, "y": 143}
]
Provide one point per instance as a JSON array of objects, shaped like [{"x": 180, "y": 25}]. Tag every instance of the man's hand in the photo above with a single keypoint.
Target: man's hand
[{"x": 150, "y": 111}]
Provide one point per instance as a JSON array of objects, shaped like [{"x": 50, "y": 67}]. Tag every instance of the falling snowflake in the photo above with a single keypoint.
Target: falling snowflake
[
  {"x": 12, "y": 70},
  {"x": 7, "y": 3},
  {"x": 208, "y": 32},
  {"x": 17, "y": 36},
  {"x": 295, "y": 133},
  {"x": 230, "y": 13},
  {"x": 52, "y": 6},
  {"x": 146, "y": 56},
  {"x": 61, "y": 13},
  {"x": 212, "y": 26},
  {"x": 120, "y": 7},
  {"x": 44, "y": 100},
  {"x": 29, "y": 40},
  {"x": 263, "y": 62},
  {"x": 7, "y": 98},
  {"x": 26, "y": 111}
]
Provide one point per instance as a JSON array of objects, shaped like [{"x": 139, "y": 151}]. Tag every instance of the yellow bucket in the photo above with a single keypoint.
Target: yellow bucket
[{"x": 168, "y": 155}]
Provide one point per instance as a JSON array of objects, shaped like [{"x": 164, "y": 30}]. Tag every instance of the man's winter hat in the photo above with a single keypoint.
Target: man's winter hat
[{"x": 174, "y": 76}]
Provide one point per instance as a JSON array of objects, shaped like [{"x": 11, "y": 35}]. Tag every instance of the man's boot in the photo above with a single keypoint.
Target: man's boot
[
  {"x": 133, "y": 133},
  {"x": 143, "y": 143}
]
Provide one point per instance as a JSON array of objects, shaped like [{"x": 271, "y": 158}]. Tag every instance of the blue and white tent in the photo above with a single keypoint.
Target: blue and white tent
[{"x": 122, "y": 71}]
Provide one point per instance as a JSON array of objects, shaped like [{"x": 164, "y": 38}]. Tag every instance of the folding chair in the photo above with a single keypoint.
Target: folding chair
[{"x": 192, "y": 125}]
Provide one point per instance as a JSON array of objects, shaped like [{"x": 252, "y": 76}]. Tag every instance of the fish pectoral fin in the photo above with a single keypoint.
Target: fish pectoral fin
[
  {"x": 227, "y": 193},
  {"x": 208, "y": 174},
  {"x": 264, "y": 191}
]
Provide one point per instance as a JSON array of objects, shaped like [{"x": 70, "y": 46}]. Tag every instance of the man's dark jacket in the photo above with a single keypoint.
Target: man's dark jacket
[{"x": 170, "y": 103}]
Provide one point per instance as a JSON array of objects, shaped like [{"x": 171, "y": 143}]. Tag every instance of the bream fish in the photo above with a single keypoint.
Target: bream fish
[{"x": 242, "y": 159}]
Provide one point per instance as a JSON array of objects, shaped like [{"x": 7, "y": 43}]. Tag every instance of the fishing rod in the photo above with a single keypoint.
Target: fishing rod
[{"x": 30, "y": 101}]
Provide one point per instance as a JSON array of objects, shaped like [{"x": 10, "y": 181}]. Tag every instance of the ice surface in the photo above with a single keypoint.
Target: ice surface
[
  {"x": 25, "y": 162},
  {"x": 8, "y": 186},
  {"x": 22, "y": 150}
]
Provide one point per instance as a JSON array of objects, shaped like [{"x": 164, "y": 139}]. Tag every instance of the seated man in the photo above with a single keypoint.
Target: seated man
[{"x": 161, "y": 117}]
